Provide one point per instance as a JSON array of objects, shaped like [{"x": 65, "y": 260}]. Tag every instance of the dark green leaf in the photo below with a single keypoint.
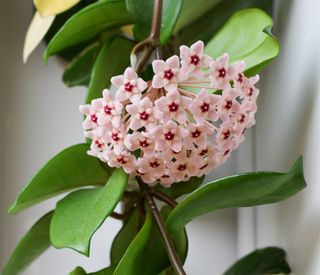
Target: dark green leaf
[
  {"x": 238, "y": 191},
  {"x": 142, "y": 11},
  {"x": 244, "y": 37},
  {"x": 80, "y": 271},
  {"x": 81, "y": 213},
  {"x": 70, "y": 169},
  {"x": 125, "y": 236},
  {"x": 146, "y": 253},
  {"x": 31, "y": 246},
  {"x": 112, "y": 60},
  {"x": 79, "y": 69},
  {"x": 270, "y": 260},
  {"x": 220, "y": 11},
  {"x": 180, "y": 188},
  {"x": 88, "y": 23}
]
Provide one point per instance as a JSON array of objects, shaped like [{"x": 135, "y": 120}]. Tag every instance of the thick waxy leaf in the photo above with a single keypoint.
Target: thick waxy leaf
[
  {"x": 79, "y": 69},
  {"x": 238, "y": 191},
  {"x": 180, "y": 188},
  {"x": 82, "y": 212},
  {"x": 246, "y": 36},
  {"x": 88, "y": 23},
  {"x": 220, "y": 11},
  {"x": 112, "y": 60},
  {"x": 80, "y": 271},
  {"x": 270, "y": 260},
  {"x": 37, "y": 30},
  {"x": 32, "y": 245},
  {"x": 142, "y": 11},
  {"x": 70, "y": 169},
  {"x": 125, "y": 236},
  {"x": 52, "y": 7},
  {"x": 146, "y": 253}
]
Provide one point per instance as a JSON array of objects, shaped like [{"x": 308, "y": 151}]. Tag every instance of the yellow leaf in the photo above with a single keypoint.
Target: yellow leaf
[
  {"x": 36, "y": 31},
  {"x": 53, "y": 7}
]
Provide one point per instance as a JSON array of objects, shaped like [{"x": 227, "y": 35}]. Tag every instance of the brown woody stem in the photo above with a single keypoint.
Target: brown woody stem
[
  {"x": 168, "y": 244},
  {"x": 163, "y": 197}
]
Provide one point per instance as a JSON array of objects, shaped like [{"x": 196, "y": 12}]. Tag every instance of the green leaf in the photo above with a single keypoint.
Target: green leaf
[
  {"x": 270, "y": 260},
  {"x": 246, "y": 36},
  {"x": 70, "y": 169},
  {"x": 146, "y": 253},
  {"x": 142, "y": 12},
  {"x": 112, "y": 60},
  {"x": 220, "y": 11},
  {"x": 180, "y": 188},
  {"x": 30, "y": 247},
  {"x": 79, "y": 69},
  {"x": 88, "y": 23},
  {"x": 81, "y": 213},
  {"x": 242, "y": 190},
  {"x": 125, "y": 236},
  {"x": 80, "y": 271}
]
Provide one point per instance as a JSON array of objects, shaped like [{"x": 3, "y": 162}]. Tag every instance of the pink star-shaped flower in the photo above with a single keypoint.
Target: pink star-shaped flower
[
  {"x": 143, "y": 114},
  {"x": 140, "y": 140},
  {"x": 173, "y": 106},
  {"x": 125, "y": 160},
  {"x": 193, "y": 60},
  {"x": 167, "y": 74},
  {"x": 220, "y": 74},
  {"x": 152, "y": 166},
  {"x": 205, "y": 106},
  {"x": 197, "y": 137},
  {"x": 129, "y": 85},
  {"x": 183, "y": 168}
]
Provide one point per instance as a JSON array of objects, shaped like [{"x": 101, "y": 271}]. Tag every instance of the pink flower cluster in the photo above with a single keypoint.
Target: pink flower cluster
[{"x": 183, "y": 123}]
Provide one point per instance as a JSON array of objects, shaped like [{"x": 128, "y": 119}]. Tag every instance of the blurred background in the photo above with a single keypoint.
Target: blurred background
[{"x": 39, "y": 117}]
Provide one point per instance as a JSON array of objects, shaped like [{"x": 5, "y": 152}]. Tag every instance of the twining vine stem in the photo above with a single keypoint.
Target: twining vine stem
[{"x": 168, "y": 244}]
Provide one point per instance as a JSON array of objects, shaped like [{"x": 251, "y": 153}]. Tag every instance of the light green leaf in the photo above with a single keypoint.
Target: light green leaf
[
  {"x": 80, "y": 271},
  {"x": 81, "y": 213},
  {"x": 242, "y": 190},
  {"x": 79, "y": 69},
  {"x": 88, "y": 23},
  {"x": 30, "y": 247},
  {"x": 70, "y": 169},
  {"x": 142, "y": 12},
  {"x": 180, "y": 188},
  {"x": 112, "y": 60},
  {"x": 246, "y": 36},
  {"x": 125, "y": 236},
  {"x": 146, "y": 253},
  {"x": 270, "y": 260}
]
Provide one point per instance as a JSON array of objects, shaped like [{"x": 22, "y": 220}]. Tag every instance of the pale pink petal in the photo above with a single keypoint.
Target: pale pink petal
[
  {"x": 117, "y": 80},
  {"x": 121, "y": 95},
  {"x": 157, "y": 82},
  {"x": 171, "y": 87},
  {"x": 135, "y": 98},
  {"x": 198, "y": 47},
  {"x": 130, "y": 74},
  {"x": 85, "y": 109},
  {"x": 173, "y": 62},
  {"x": 158, "y": 66},
  {"x": 184, "y": 52},
  {"x": 141, "y": 84}
]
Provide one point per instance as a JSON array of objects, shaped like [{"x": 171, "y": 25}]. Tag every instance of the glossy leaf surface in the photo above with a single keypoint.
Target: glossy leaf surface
[
  {"x": 79, "y": 69},
  {"x": 270, "y": 260},
  {"x": 142, "y": 10},
  {"x": 146, "y": 253},
  {"x": 88, "y": 23},
  {"x": 242, "y": 190},
  {"x": 30, "y": 247},
  {"x": 112, "y": 60},
  {"x": 69, "y": 169},
  {"x": 246, "y": 36},
  {"x": 81, "y": 213},
  {"x": 80, "y": 271}
]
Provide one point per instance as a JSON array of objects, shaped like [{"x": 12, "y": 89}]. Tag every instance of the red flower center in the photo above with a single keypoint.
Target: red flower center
[
  {"x": 99, "y": 144},
  {"x": 203, "y": 152},
  {"x": 240, "y": 78},
  {"x": 168, "y": 74},
  {"x": 205, "y": 107},
  {"x": 226, "y": 134},
  {"x": 144, "y": 115},
  {"x": 144, "y": 143},
  {"x": 196, "y": 133},
  {"x": 250, "y": 91},
  {"x": 128, "y": 87},
  {"x": 241, "y": 118},
  {"x": 228, "y": 104},
  {"x": 107, "y": 110},
  {"x": 222, "y": 73},
  {"x": 194, "y": 59},
  {"x": 115, "y": 137},
  {"x": 94, "y": 118},
  {"x": 173, "y": 107},
  {"x": 154, "y": 164},
  {"x": 169, "y": 135},
  {"x": 122, "y": 160},
  {"x": 182, "y": 167}
]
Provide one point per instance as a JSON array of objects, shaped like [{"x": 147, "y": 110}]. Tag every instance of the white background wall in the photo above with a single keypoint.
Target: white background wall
[{"x": 40, "y": 117}]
